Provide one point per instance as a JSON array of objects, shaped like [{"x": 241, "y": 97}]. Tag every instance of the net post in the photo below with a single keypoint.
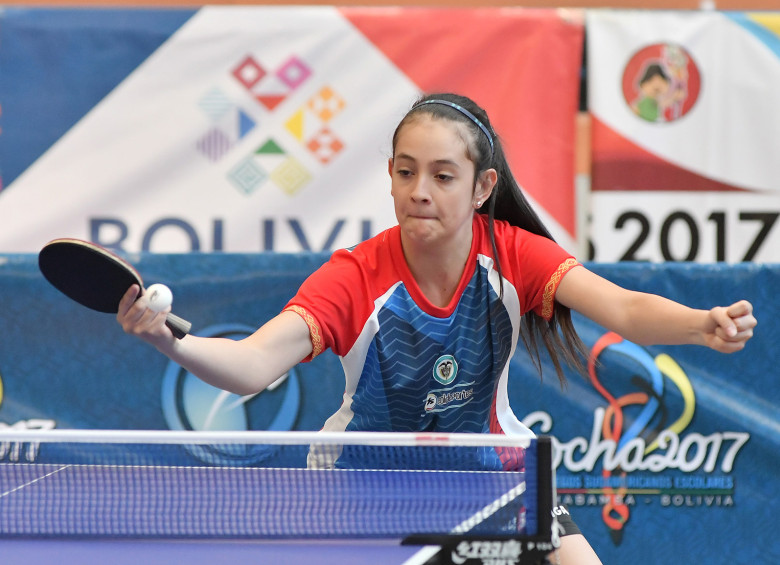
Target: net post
[{"x": 545, "y": 492}]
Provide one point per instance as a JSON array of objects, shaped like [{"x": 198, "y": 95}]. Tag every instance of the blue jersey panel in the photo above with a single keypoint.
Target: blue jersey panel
[{"x": 415, "y": 377}]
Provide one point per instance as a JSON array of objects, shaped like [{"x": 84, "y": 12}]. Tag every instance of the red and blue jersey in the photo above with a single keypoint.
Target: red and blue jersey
[{"x": 413, "y": 366}]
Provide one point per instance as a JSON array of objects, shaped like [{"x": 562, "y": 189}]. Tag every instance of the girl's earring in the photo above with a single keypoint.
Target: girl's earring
[{"x": 479, "y": 203}]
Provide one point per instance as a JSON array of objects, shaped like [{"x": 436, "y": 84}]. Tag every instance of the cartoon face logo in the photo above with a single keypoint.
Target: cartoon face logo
[
  {"x": 445, "y": 369},
  {"x": 661, "y": 83}
]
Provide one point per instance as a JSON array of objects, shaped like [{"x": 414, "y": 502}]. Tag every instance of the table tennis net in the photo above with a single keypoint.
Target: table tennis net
[{"x": 265, "y": 485}]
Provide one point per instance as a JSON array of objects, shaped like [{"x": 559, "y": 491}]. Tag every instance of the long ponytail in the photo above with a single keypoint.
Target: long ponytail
[{"x": 560, "y": 338}]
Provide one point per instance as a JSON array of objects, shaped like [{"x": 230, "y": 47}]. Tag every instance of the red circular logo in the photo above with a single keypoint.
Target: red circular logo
[{"x": 661, "y": 82}]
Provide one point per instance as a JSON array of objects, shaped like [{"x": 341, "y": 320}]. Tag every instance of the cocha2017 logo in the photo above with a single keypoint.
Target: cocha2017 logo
[{"x": 641, "y": 448}]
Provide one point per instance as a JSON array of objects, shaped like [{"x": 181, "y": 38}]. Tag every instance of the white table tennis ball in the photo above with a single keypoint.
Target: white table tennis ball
[{"x": 160, "y": 297}]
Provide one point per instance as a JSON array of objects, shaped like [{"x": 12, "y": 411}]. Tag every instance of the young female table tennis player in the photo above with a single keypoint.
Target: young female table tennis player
[{"x": 439, "y": 301}]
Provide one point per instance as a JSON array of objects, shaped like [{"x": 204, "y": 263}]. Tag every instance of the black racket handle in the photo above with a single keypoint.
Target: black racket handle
[{"x": 179, "y": 326}]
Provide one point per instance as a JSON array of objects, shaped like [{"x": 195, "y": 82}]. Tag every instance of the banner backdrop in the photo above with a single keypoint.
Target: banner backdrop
[
  {"x": 664, "y": 454},
  {"x": 245, "y": 129},
  {"x": 685, "y": 130}
]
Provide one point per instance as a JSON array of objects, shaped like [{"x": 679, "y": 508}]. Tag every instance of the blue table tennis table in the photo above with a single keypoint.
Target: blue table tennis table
[
  {"x": 81, "y": 514},
  {"x": 35, "y": 539}
]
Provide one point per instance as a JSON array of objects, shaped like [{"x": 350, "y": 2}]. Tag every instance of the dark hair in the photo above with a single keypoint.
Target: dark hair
[
  {"x": 653, "y": 70},
  {"x": 507, "y": 202}
]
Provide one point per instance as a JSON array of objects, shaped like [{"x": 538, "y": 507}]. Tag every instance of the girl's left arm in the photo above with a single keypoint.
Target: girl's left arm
[{"x": 648, "y": 319}]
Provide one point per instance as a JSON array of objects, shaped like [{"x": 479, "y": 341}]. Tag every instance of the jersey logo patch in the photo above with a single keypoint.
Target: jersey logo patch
[
  {"x": 440, "y": 401},
  {"x": 445, "y": 369}
]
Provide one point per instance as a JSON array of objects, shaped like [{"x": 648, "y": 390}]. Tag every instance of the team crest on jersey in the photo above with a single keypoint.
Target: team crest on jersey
[{"x": 445, "y": 369}]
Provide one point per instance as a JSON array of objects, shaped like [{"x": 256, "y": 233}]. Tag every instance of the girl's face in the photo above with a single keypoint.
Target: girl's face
[{"x": 433, "y": 182}]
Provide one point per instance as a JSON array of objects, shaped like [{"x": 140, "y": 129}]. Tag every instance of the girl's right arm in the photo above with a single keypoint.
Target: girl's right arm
[{"x": 240, "y": 366}]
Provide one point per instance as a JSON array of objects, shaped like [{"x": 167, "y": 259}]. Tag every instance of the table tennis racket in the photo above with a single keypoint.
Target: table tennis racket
[{"x": 94, "y": 277}]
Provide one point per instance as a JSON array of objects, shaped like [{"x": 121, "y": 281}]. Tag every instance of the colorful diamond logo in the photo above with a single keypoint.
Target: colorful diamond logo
[
  {"x": 293, "y": 73},
  {"x": 247, "y": 176},
  {"x": 325, "y": 145},
  {"x": 291, "y": 176},
  {"x": 249, "y": 72},
  {"x": 214, "y": 144},
  {"x": 326, "y": 104},
  {"x": 215, "y": 104}
]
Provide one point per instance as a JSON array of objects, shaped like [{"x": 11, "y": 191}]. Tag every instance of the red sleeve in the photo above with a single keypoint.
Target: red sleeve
[
  {"x": 538, "y": 265},
  {"x": 337, "y": 299},
  {"x": 325, "y": 303}
]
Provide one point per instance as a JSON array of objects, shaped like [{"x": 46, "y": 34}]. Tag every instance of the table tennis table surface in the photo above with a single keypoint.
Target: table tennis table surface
[
  {"x": 37, "y": 484},
  {"x": 41, "y": 502},
  {"x": 209, "y": 552}
]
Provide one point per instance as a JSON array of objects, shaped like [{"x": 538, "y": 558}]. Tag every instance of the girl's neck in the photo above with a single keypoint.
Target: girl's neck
[{"x": 437, "y": 270}]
